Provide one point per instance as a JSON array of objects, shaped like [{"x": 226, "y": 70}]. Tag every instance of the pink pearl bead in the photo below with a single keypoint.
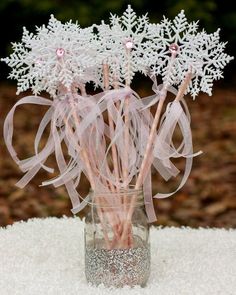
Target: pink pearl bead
[
  {"x": 129, "y": 44},
  {"x": 60, "y": 52},
  {"x": 174, "y": 48}
]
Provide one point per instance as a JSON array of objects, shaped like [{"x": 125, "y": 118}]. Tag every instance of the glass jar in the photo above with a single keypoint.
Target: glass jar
[{"x": 117, "y": 247}]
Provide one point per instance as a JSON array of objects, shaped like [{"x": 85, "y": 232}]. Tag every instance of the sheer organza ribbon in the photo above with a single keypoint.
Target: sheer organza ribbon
[
  {"x": 176, "y": 113},
  {"x": 69, "y": 122},
  {"x": 164, "y": 148},
  {"x": 78, "y": 122},
  {"x": 33, "y": 164},
  {"x": 138, "y": 125}
]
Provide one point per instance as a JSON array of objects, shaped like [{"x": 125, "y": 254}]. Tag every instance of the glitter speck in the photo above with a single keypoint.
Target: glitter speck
[
  {"x": 173, "y": 48},
  {"x": 60, "y": 52}
]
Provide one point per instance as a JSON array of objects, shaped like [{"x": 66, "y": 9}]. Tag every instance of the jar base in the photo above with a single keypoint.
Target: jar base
[{"x": 118, "y": 267}]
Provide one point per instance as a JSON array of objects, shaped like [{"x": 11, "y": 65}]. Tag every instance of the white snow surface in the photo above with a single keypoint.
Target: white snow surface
[{"x": 46, "y": 256}]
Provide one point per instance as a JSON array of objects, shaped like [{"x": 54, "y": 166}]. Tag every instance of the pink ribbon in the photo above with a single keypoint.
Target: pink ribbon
[
  {"x": 33, "y": 164},
  {"x": 164, "y": 148},
  {"x": 140, "y": 121},
  {"x": 78, "y": 121}
]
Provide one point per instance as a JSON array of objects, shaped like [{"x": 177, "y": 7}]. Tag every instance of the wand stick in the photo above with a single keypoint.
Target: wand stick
[
  {"x": 140, "y": 179},
  {"x": 111, "y": 126},
  {"x": 85, "y": 158}
]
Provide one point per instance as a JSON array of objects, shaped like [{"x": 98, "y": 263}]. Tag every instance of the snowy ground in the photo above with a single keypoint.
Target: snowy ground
[{"x": 46, "y": 256}]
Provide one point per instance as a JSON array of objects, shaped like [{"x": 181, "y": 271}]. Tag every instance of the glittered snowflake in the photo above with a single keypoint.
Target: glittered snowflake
[
  {"x": 211, "y": 60},
  {"x": 178, "y": 48},
  {"x": 121, "y": 43},
  {"x": 65, "y": 54},
  {"x": 57, "y": 55}
]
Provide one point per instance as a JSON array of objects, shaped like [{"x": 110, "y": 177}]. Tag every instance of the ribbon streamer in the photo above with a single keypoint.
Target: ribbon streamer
[
  {"x": 78, "y": 122},
  {"x": 164, "y": 148}
]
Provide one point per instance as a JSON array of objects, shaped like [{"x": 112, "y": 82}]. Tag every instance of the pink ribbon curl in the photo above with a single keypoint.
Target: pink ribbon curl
[
  {"x": 54, "y": 116},
  {"x": 78, "y": 121},
  {"x": 139, "y": 124},
  {"x": 176, "y": 113},
  {"x": 164, "y": 148}
]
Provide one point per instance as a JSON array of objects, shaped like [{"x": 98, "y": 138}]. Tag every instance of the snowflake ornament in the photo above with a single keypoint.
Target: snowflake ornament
[
  {"x": 212, "y": 60},
  {"x": 61, "y": 56},
  {"x": 121, "y": 43},
  {"x": 57, "y": 55},
  {"x": 178, "y": 49},
  {"x": 112, "y": 137}
]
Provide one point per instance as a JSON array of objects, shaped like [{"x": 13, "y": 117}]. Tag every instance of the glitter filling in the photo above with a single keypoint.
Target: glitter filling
[{"x": 118, "y": 267}]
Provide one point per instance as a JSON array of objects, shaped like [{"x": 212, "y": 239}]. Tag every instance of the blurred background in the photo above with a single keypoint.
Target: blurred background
[{"x": 209, "y": 196}]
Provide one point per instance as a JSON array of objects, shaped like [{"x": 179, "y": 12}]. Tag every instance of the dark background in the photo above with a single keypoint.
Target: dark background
[
  {"x": 208, "y": 198},
  {"x": 213, "y": 14}
]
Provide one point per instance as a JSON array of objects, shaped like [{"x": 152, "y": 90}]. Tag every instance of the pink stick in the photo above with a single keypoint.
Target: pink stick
[
  {"x": 85, "y": 158},
  {"x": 111, "y": 126},
  {"x": 147, "y": 154}
]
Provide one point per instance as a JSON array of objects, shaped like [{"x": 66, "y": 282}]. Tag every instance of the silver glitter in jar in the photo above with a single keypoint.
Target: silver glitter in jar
[
  {"x": 117, "y": 248},
  {"x": 118, "y": 267}
]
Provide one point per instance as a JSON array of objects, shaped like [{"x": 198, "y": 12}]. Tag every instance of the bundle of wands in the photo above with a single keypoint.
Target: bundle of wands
[{"x": 112, "y": 137}]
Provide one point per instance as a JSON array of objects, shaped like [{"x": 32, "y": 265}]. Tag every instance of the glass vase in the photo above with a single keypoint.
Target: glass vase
[{"x": 117, "y": 247}]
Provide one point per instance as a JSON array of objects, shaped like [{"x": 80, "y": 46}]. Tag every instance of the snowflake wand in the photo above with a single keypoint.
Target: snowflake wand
[
  {"x": 188, "y": 54},
  {"x": 61, "y": 59}
]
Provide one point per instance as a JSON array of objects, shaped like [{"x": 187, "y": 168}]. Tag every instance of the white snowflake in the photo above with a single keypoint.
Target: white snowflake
[
  {"x": 177, "y": 48},
  {"x": 64, "y": 54},
  {"x": 212, "y": 60},
  {"x": 120, "y": 44},
  {"x": 57, "y": 55}
]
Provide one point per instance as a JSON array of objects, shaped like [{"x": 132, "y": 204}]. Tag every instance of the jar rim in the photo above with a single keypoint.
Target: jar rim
[
  {"x": 128, "y": 193},
  {"x": 130, "y": 190}
]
